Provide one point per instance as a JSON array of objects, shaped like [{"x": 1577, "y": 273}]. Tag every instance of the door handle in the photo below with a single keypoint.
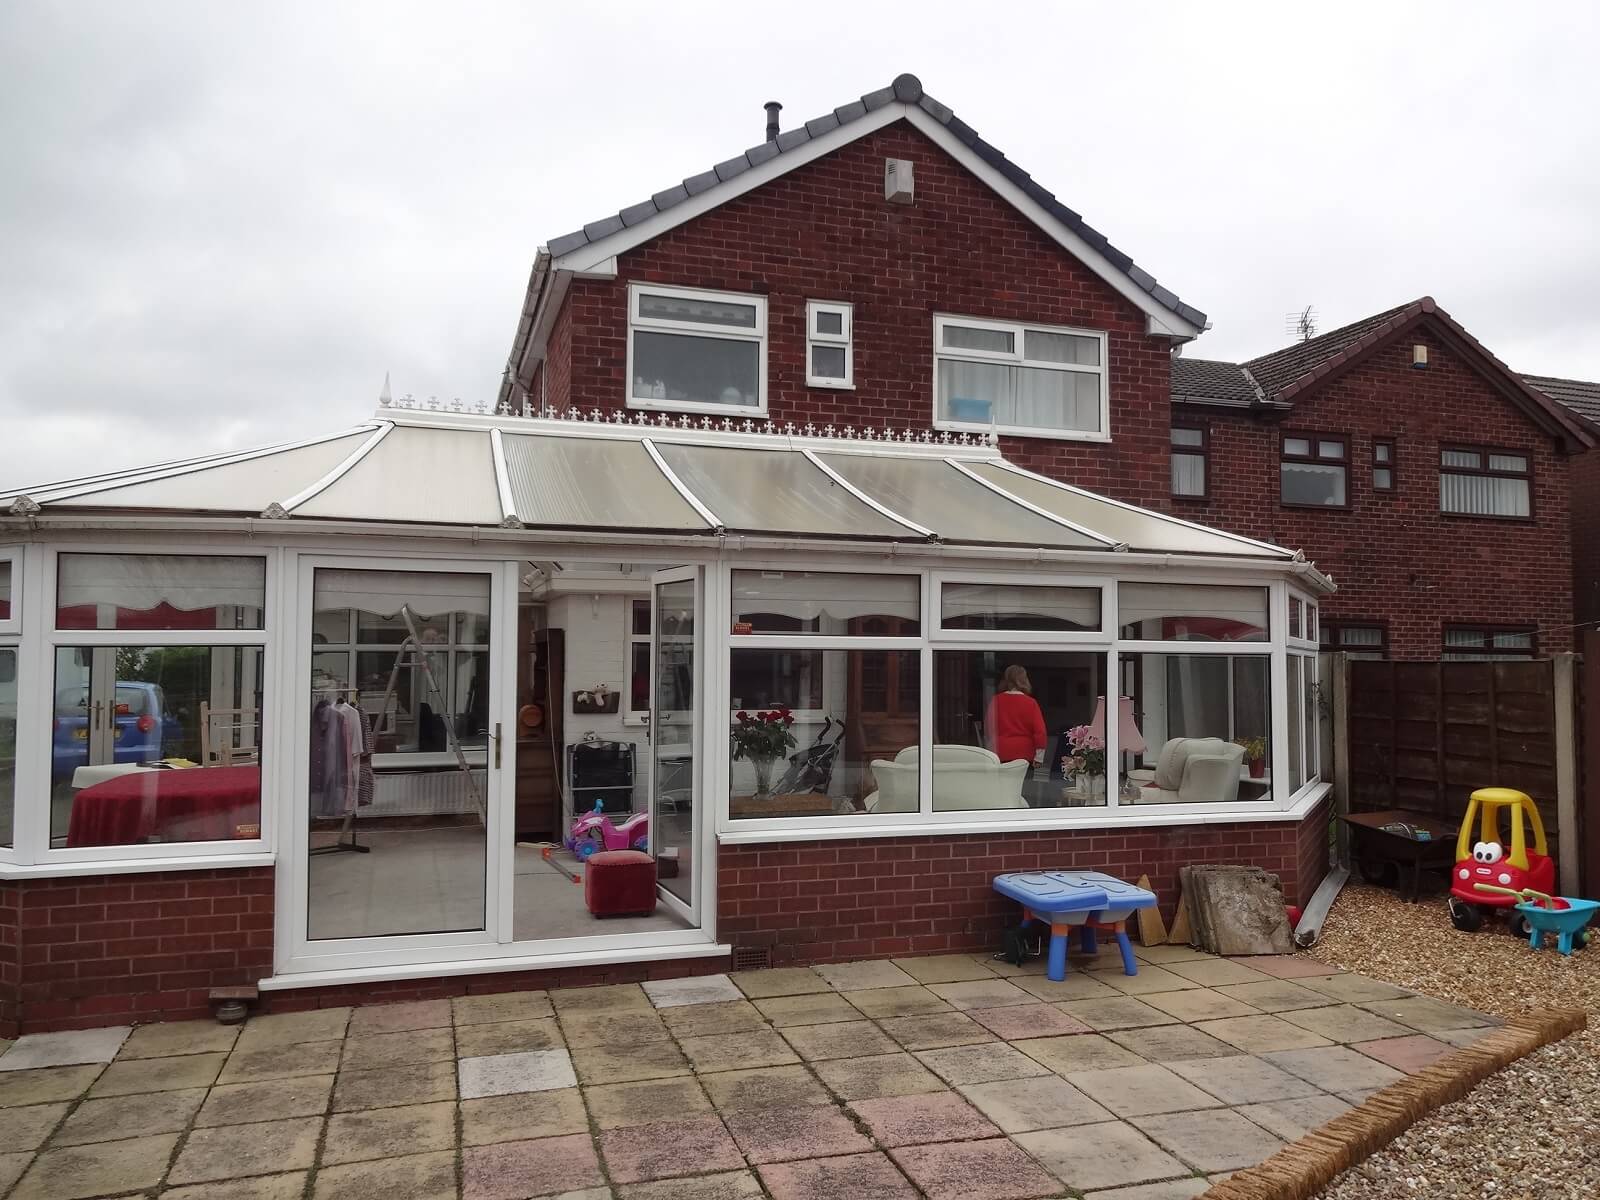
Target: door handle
[{"x": 496, "y": 736}]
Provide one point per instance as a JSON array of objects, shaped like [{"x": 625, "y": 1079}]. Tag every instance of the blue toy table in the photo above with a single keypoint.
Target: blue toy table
[{"x": 1088, "y": 900}]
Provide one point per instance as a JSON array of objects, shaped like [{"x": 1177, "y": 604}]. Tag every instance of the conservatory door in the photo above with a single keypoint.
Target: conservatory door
[{"x": 676, "y": 768}]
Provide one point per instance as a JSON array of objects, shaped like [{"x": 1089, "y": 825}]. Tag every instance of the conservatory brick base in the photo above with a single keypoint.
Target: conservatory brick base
[{"x": 828, "y": 901}]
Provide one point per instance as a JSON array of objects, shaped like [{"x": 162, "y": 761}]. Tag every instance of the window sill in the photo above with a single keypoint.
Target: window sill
[
  {"x": 1498, "y": 520},
  {"x": 1054, "y": 435},
  {"x": 710, "y": 410},
  {"x": 1329, "y": 508},
  {"x": 134, "y": 866},
  {"x": 833, "y": 385}
]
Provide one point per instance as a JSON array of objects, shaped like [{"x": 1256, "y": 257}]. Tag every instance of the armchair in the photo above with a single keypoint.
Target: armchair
[
  {"x": 1195, "y": 771},
  {"x": 964, "y": 777}
]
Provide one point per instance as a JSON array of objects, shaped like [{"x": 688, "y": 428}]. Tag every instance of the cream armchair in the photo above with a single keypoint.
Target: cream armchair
[
  {"x": 964, "y": 777},
  {"x": 1195, "y": 771}
]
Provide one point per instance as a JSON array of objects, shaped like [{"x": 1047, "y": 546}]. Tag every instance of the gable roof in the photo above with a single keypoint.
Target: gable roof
[
  {"x": 1580, "y": 396},
  {"x": 1279, "y": 378},
  {"x": 592, "y": 249}
]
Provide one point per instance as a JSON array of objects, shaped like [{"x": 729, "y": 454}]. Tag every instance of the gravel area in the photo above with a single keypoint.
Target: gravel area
[{"x": 1530, "y": 1132}]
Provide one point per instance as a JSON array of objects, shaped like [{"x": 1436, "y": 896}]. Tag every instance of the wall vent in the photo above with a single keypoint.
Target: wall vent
[
  {"x": 752, "y": 958},
  {"x": 898, "y": 185}
]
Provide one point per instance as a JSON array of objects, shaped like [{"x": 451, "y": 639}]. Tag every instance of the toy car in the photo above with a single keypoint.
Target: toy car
[
  {"x": 1488, "y": 861},
  {"x": 594, "y": 832}
]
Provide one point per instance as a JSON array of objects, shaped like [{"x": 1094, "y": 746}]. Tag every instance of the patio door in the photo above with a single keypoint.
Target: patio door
[{"x": 676, "y": 767}]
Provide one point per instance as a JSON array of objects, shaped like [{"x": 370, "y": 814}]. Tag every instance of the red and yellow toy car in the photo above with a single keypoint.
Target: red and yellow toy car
[{"x": 1488, "y": 861}]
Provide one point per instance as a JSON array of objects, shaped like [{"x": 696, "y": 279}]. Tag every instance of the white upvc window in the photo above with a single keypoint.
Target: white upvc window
[
  {"x": 830, "y": 352},
  {"x": 1020, "y": 378},
  {"x": 637, "y": 635},
  {"x": 696, "y": 351}
]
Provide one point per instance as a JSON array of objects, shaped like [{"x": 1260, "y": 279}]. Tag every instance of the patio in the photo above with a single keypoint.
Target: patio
[{"x": 946, "y": 1077}]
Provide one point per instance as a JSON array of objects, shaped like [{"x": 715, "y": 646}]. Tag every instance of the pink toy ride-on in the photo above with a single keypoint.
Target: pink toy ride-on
[{"x": 594, "y": 832}]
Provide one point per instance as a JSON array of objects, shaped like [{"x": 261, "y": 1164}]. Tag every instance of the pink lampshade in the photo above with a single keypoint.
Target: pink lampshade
[{"x": 1129, "y": 739}]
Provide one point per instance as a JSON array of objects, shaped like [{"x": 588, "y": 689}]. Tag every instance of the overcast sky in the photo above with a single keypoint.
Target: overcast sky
[{"x": 221, "y": 224}]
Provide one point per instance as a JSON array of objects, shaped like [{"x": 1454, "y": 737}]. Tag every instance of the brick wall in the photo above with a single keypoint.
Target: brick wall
[
  {"x": 110, "y": 949},
  {"x": 1395, "y": 557},
  {"x": 826, "y": 901},
  {"x": 1584, "y": 472},
  {"x": 824, "y": 232}
]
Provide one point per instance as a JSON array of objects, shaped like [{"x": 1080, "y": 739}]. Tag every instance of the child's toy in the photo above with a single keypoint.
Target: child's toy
[
  {"x": 1086, "y": 900},
  {"x": 594, "y": 832},
  {"x": 1565, "y": 917},
  {"x": 1487, "y": 862}
]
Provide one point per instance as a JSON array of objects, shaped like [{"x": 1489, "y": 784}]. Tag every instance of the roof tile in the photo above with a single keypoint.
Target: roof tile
[
  {"x": 939, "y": 112},
  {"x": 1208, "y": 379},
  {"x": 702, "y": 182},
  {"x": 676, "y": 194},
  {"x": 635, "y": 213},
  {"x": 873, "y": 101},
  {"x": 760, "y": 154},
  {"x": 853, "y": 111},
  {"x": 731, "y": 167},
  {"x": 818, "y": 126},
  {"x": 790, "y": 138},
  {"x": 605, "y": 227},
  {"x": 567, "y": 243},
  {"x": 1580, "y": 396}
]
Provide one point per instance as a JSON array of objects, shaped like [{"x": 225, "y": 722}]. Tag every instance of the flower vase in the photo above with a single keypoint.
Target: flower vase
[
  {"x": 763, "y": 768},
  {"x": 1258, "y": 768},
  {"x": 1097, "y": 789}
]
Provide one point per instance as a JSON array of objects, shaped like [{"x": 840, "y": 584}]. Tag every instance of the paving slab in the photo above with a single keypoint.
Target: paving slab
[
  {"x": 668, "y": 1149},
  {"x": 624, "y": 1062},
  {"x": 428, "y": 1176},
  {"x": 1078, "y": 985},
  {"x": 779, "y": 981},
  {"x": 47, "y": 1084},
  {"x": 234, "y": 1151},
  {"x": 845, "y": 1039},
  {"x": 382, "y": 1133},
  {"x": 1141, "y": 1091},
  {"x": 943, "y": 968},
  {"x": 768, "y": 1135},
  {"x": 930, "y": 1031},
  {"x": 1335, "y": 1068},
  {"x": 1244, "y": 1079},
  {"x": 160, "y": 1074},
  {"x": 1351, "y": 988},
  {"x": 288, "y": 1186},
  {"x": 691, "y": 989},
  {"x": 12, "y": 1166},
  {"x": 619, "y": 1105},
  {"x": 1171, "y": 1043},
  {"x": 1276, "y": 995},
  {"x": 1170, "y": 1189},
  {"x": 1101, "y": 1156},
  {"x": 258, "y": 1064},
  {"x": 612, "y": 998},
  {"x": 820, "y": 1009},
  {"x": 1217, "y": 1140},
  {"x": 1287, "y": 966},
  {"x": 997, "y": 965},
  {"x": 1149, "y": 979},
  {"x": 861, "y": 976},
  {"x": 386, "y": 1049},
  {"x": 1045, "y": 1102},
  {"x": 996, "y": 1169},
  {"x": 1257, "y": 1035},
  {"x": 71, "y": 1048},
  {"x": 1462, "y": 1037},
  {"x": 1118, "y": 1012},
  {"x": 1407, "y": 1053},
  {"x": 918, "y": 1120},
  {"x": 179, "y": 1037},
  {"x": 244, "y": 1103},
  {"x": 1212, "y": 972},
  {"x": 762, "y": 1048},
  {"x": 698, "y": 1020},
  {"x": 510, "y": 1074},
  {"x": 1345, "y": 1023},
  {"x": 885, "y": 1003},
  {"x": 27, "y": 1128},
  {"x": 374, "y": 1019},
  {"x": 724, "y": 1185},
  {"x": 508, "y": 1037},
  {"x": 522, "y": 1117},
  {"x": 1078, "y": 1052},
  {"x": 984, "y": 1063},
  {"x": 612, "y": 1028},
  {"x": 1425, "y": 1014},
  {"x": 102, "y": 1169},
  {"x": 118, "y": 1117},
  {"x": 1168, "y": 954},
  {"x": 532, "y": 1167},
  {"x": 765, "y": 1087},
  {"x": 981, "y": 993},
  {"x": 877, "y": 1075},
  {"x": 852, "y": 1177},
  {"x": 1027, "y": 1021},
  {"x": 285, "y": 1029},
  {"x": 501, "y": 1006},
  {"x": 1294, "y": 1118},
  {"x": 421, "y": 1084},
  {"x": 1202, "y": 1004}
]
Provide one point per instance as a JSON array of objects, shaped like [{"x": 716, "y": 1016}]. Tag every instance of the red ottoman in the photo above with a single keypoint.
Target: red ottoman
[{"x": 620, "y": 883}]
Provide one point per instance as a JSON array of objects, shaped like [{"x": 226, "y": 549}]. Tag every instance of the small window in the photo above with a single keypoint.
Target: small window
[
  {"x": 1489, "y": 643},
  {"x": 1019, "y": 607},
  {"x": 160, "y": 591},
  {"x": 1190, "y": 447},
  {"x": 1314, "y": 471},
  {"x": 10, "y": 577},
  {"x": 1485, "y": 483},
  {"x": 638, "y": 658},
  {"x": 825, "y": 602},
  {"x": 1383, "y": 465},
  {"x": 830, "y": 356},
  {"x": 1358, "y": 639},
  {"x": 1184, "y": 612},
  {"x": 697, "y": 351},
  {"x": 1016, "y": 378}
]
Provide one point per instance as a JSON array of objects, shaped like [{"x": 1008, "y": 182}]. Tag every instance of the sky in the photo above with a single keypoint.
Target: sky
[{"x": 221, "y": 225}]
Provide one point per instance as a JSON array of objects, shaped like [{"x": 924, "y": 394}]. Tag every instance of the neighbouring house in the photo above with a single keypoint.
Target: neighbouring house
[
  {"x": 793, "y": 464},
  {"x": 1582, "y": 398},
  {"x": 1431, "y": 482}
]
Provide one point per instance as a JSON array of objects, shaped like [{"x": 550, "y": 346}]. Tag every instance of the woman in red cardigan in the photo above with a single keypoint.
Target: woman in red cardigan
[{"x": 1014, "y": 723}]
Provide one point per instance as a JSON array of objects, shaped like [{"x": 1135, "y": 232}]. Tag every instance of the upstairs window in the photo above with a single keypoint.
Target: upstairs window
[
  {"x": 1489, "y": 643},
  {"x": 830, "y": 357},
  {"x": 696, "y": 351},
  {"x": 1024, "y": 379},
  {"x": 1190, "y": 447},
  {"x": 1383, "y": 465},
  {"x": 1314, "y": 471},
  {"x": 1479, "y": 482},
  {"x": 1358, "y": 639}
]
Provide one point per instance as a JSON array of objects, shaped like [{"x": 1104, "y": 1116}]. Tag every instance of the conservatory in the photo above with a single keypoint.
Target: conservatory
[{"x": 391, "y": 669}]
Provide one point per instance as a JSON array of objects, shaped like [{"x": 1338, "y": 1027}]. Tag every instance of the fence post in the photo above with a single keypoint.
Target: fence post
[{"x": 1566, "y": 706}]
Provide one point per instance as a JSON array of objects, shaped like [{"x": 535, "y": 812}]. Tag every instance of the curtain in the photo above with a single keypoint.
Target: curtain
[
  {"x": 1188, "y": 474},
  {"x": 1012, "y": 395},
  {"x": 427, "y": 594},
  {"x": 188, "y": 582},
  {"x": 1484, "y": 495}
]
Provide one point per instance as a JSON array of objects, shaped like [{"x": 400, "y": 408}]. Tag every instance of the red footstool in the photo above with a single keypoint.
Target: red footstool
[{"x": 620, "y": 883}]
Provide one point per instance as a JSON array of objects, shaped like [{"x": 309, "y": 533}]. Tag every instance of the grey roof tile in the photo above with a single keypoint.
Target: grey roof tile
[
  {"x": 635, "y": 213},
  {"x": 818, "y": 126},
  {"x": 567, "y": 243},
  {"x": 907, "y": 88},
  {"x": 676, "y": 194},
  {"x": 731, "y": 167},
  {"x": 702, "y": 182},
  {"x": 1208, "y": 379},
  {"x": 790, "y": 138},
  {"x": 757, "y": 155},
  {"x": 1142, "y": 278},
  {"x": 873, "y": 101},
  {"x": 965, "y": 133},
  {"x": 604, "y": 227},
  {"x": 1191, "y": 314},
  {"x": 853, "y": 111},
  {"x": 1164, "y": 296},
  {"x": 1280, "y": 368},
  {"x": 939, "y": 112},
  {"x": 1580, "y": 396}
]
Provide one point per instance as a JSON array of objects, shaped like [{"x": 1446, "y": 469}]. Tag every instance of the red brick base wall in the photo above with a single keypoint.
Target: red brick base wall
[{"x": 863, "y": 898}]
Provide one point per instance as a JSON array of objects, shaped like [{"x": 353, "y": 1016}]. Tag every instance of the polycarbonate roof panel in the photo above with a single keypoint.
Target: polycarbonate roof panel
[
  {"x": 1139, "y": 528},
  {"x": 247, "y": 486},
  {"x": 775, "y": 491},
  {"x": 593, "y": 483},
  {"x": 435, "y": 476},
  {"x": 939, "y": 497}
]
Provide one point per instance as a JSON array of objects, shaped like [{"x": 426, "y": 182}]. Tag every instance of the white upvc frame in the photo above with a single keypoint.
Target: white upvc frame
[
  {"x": 844, "y": 339},
  {"x": 757, "y": 335},
  {"x": 632, "y": 716},
  {"x": 12, "y": 557},
  {"x": 11, "y": 640},
  {"x": 1075, "y": 638},
  {"x": 1017, "y": 358}
]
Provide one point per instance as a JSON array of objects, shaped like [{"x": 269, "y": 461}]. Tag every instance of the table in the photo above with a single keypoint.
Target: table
[
  {"x": 88, "y": 776},
  {"x": 198, "y": 804},
  {"x": 1091, "y": 901}
]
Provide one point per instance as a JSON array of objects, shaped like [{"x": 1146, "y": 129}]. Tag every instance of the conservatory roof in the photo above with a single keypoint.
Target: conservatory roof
[{"x": 642, "y": 474}]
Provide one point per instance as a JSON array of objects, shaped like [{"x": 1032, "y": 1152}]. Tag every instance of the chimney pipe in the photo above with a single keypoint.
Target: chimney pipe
[{"x": 773, "y": 109}]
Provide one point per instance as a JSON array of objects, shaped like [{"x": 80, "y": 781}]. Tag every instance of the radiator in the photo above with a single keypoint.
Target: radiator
[{"x": 426, "y": 794}]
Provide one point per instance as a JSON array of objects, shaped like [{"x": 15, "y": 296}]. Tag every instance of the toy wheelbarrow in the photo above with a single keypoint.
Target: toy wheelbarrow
[{"x": 1561, "y": 915}]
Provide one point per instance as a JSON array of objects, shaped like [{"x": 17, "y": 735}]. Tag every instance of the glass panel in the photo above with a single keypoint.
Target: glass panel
[
  {"x": 1010, "y": 730},
  {"x": 1294, "y": 617},
  {"x": 1311, "y": 621},
  {"x": 160, "y": 591},
  {"x": 1307, "y": 483},
  {"x": 1300, "y": 446},
  {"x": 1296, "y": 772},
  {"x": 672, "y": 741},
  {"x": 155, "y": 744},
  {"x": 1012, "y": 606},
  {"x": 967, "y": 337},
  {"x": 1460, "y": 458},
  {"x": 641, "y": 618},
  {"x": 824, "y": 602},
  {"x": 1031, "y": 397},
  {"x": 1308, "y": 673},
  {"x": 695, "y": 370},
  {"x": 639, "y": 677},
  {"x": 851, "y": 749},
  {"x": 1507, "y": 462},
  {"x": 1060, "y": 348},
  {"x": 1382, "y": 477},
  {"x": 827, "y": 362},
  {"x": 5, "y": 589},
  {"x": 830, "y": 322},
  {"x": 1380, "y": 452},
  {"x": 398, "y": 777},
  {"x": 1201, "y": 729},
  {"x": 698, "y": 310},
  {"x": 1192, "y": 612},
  {"x": 8, "y": 740},
  {"x": 1188, "y": 475},
  {"x": 555, "y": 481},
  {"x": 1182, "y": 436},
  {"x": 1360, "y": 635},
  {"x": 1484, "y": 495},
  {"x": 1330, "y": 449}
]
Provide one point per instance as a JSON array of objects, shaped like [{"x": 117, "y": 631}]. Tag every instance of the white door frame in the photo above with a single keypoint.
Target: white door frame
[{"x": 694, "y": 574}]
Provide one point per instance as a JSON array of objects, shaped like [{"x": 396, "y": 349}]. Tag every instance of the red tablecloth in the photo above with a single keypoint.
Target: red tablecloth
[{"x": 198, "y": 804}]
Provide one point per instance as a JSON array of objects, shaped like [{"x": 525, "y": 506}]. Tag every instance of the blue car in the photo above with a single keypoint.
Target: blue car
[{"x": 142, "y": 726}]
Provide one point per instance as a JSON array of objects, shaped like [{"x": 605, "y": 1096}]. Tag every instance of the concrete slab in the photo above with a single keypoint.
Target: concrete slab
[
  {"x": 701, "y": 1020},
  {"x": 845, "y": 1039},
  {"x": 877, "y": 1075},
  {"x": 1212, "y": 972},
  {"x": 234, "y": 1151},
  {"x": 1351, "y": 988},
  {"x": 27, "y": 1128},
  {"x": 933, "y": 1030},
  {"x": 668, "y": 1149},
  {"x": 1345, "y": 1023},
  {"x": 725, "y": 1185},
  {"x": 855, "y": 1176},
  {"x": 983, "y": 1063},
  {"x": 1170, "y": 1043},
  {"x": 981, "y": 993},
  {"x": 626, "y": 1062},
  {"x": 1079, "y": 1052},
  {"x": 103, "y": 1169},
  {"x": 996, "y": 1169},
  {"x": 532, "y": 1167},
  {"x": 611, "y": 1028},
  {"x": 290, "y": 1185},
  {"x": 1335, "y": 1068},
  {"x": 820, "y": 1009},
  {"x": 1023, "y": 1105},
  {"x": 765, "y": 1087},
  {"x": 944, "y": 968},
  {"x": 1120, "y": 1012},
  {"x": 276, "y": 1099},
  {"x": 136, "y": 1075},
  {"x": 1425, "y": 1014},
  {"x": 1218, "y": 1140},
  {"x": 1277, "y": 995},
  {"x": 862, "y": 976},
  {"x": 523, "y": 1117},
  {"x": 693, "y": 989},
  {"x": 256, "y": 1064},
  {"x": 384, "y": 1133},
  {"x": 47, "y": 1085},
  {"x": 428, "y": 1176},
  {"x": 285, "y": 1029},
  {"x": 1244, "y": 1079},
  {"x": 1078, "y": 985},
  {"x": 1408, "y": 1054},
  {"x": 385, "y": 1049},
  {"x": 501, "y": 1006},
  {"x": 1201, "y": 1004},
  {"x": 118, "y": 1117},
  {"x": 1101, "y": 1156},
  {"x": 1171, "y": 1189},
  {"x": 508, "y": 1037},
  {"x": 919, "y": 1120},
  {"x": 769, "y": 1135},
  {"x": 1257, "y": 1035},
  {"x": 1294, "y": 1118},
  {"x": 1287, "y": 966},
  {"x": 71, "y": 1048},
  {"x": 399, "y": 1018},
  {"x": 1141, "y": 1091},
  {"x": 885, "y": 1003},
  {"x": 761, "y": 1048},
  {"x": 179, "y": 1037},
  {"x": 1018, "y": 1021},
  {"x": 1149, "y": 979},
  {"x": 619, "y": 1105},
  {"x": 779, "y": 981},
  {"x": 612, "y": 998},
  {"x": 509, "y": 1074},
  {"x": 421, "y": 1084}
]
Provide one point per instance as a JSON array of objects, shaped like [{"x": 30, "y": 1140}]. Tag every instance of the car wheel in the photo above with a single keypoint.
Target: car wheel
[
  {"x": 1466, "y": 917},
  {"x": 1517, "y": 925}
]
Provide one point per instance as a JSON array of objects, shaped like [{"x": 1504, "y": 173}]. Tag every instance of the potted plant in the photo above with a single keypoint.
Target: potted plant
[
  {"x": 1088, "y": 758},
  {"x": 763, "y": 738},
  {"x": 1255, "y": 754}
]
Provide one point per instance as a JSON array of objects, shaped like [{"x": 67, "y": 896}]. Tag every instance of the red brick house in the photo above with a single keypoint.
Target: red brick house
[
  {"x": 1582, "y": 398},
  {"x": 1430, "y": 481}
]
